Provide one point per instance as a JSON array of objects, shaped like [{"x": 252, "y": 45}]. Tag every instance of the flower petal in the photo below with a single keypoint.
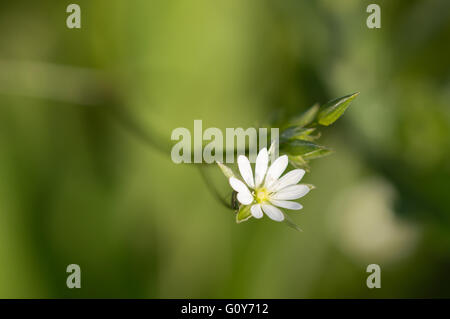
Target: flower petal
[
  {"x": 291, "y": 192},
  {"x": 286, "y": 204},
  {"x": 238, "y": 186},
  {"x": 276, "y": 169},
  {"x": 262, "y": 162},
  {"x": 291, "y": 178},
  {"x": 256, "y": 211},
  {"x": 246, "y": 170},
  {"x": 245, "y": 198},
  {"x": 273, "y": 212}
]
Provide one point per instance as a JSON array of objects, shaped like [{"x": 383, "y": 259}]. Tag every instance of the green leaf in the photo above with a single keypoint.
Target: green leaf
[
  {"x": 243, "y": 214},
  {"x": 225, "y": 170},
  {"x": 332, "y": 110},
  {"x": 296, "y": 132},
  {"x": 288, "y": 221},
  {"x": 298, "y": 162},
  {"x": 306, "y": 117},
  {"x": 318, "y": 154},
  {"x": 307, "y": 150}
]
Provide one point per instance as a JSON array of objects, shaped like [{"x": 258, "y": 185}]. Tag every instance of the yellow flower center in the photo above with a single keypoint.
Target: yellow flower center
[{"x": 262, "y": 195}]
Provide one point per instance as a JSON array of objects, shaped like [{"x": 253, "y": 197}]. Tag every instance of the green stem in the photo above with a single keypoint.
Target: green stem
[
  {"x": 212, "y": 189},
  {"x": 86, "y": 87}
]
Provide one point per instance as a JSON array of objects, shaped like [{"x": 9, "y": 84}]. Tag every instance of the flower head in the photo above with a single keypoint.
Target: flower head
[{"x": 267, "y": 191}]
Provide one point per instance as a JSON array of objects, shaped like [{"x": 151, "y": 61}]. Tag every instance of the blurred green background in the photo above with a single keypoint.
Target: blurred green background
[{"x": 78, "y": 186}]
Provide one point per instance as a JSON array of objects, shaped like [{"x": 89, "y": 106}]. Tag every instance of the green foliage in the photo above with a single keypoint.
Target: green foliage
[
  {"x": 307, "y": 149},
  {"x": 306, "y": 117},
  {"x": 297, "y": 139},
  {"x": 298, "y": 132},
  {"x": 67, "y": 167},
  {"x": 289, "y": 222},
  {"x": 298, "y": 162},
  {"x": 228, "y": 172},
  {"x": 243, "y": 214},
  {"x": 299, "y": 143},
  {"x": 334, "y": 109}
]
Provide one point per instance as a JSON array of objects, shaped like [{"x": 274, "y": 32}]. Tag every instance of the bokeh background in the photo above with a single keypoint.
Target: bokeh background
[{"x": 81, "y": 184}]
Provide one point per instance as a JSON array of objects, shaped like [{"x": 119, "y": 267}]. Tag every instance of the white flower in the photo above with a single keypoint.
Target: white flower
[{"x": 267, "y": 190}]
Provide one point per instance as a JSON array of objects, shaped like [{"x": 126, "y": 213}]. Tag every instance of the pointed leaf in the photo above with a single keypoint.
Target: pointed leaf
[
  {"x": 289, "y": 222},
  {"x": 296, "y": 132},
  {"x": 298, "y": 162},
  {"x": 225, "y": 170},
  {"x": 306, "y": 117},
  {"x": 332, "y": 110},
  {"x": 243, "y": 214},
  {"x": 308, "y": 150},
  {"x": 318, "y": 153}
]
